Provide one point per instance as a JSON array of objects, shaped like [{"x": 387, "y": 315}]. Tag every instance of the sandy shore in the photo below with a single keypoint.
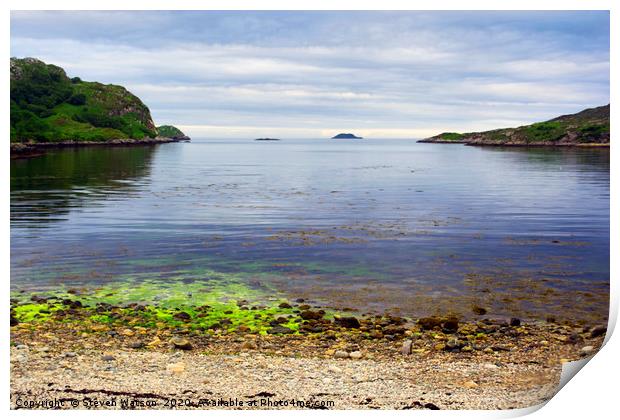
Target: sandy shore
[{"x": 189, "y": 380}]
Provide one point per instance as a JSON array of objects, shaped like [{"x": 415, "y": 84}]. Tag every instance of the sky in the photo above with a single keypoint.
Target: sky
[{"x": 314, "y": 74}]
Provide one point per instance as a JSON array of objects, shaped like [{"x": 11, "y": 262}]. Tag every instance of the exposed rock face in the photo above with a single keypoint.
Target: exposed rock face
[{"x": 588, "y": 127}]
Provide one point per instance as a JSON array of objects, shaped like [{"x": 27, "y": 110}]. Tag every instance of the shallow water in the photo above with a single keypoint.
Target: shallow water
[{"x": 371, "y": 225}]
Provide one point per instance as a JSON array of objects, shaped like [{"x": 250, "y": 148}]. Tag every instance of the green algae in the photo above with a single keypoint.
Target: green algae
[{"x": 218, "y": 302}]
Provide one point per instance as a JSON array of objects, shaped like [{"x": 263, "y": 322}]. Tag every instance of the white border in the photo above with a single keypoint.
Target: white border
[{"x": 592, "y": 394}]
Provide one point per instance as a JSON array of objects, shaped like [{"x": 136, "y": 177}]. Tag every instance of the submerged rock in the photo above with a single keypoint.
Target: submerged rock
[
  {"x": 182, "y": 316},
  {"x": 478, "y": 310}
]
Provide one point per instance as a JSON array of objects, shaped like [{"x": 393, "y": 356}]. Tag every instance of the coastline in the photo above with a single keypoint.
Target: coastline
[
  {"x": 24, "y": 150},
  {"x": 72, "y": 348},
  {"x": 515, "y": 144}
]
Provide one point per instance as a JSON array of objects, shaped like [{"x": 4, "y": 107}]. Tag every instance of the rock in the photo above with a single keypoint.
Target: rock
[
  {"x": 500, "y": 347},
  {"x": 376, "y": 334},
  {"x": 491, "y": 366},
  {"x": 175, "y": 368},
  {"x": 156, "y": 341},
  {"x": 280, "y": 329},
  {"x": 439, "y": 346},
  {"x": 69, "y": 354},
  {"x": 355, "y": 355},
  {"x": 341, "y": 354},
  {"x": 470, "y": 384},
  {"x": 478, "y": 310},
  {"x": 406, "y": 348},
  {"x": 108, "y": 358},
  {"x": 285, "y": 305},
  {"x": 334, "y": 369},
  {"x": 21, "y": 347},
  {"x": 249, "y": 345},
  {"x": 181, "y": 343},
  {"x": 586, "y": 351},
  {"x": 515, "y": 322},
  {"x": 598, "y": 331},
  {"x": 450, "y": 325},
  {"x": 467, "y": 348},
  {"x": 182, "y": 316},
  {"x": 307, "y": 315},
  {"x": 394, "y": 330},
  {"x": 300, "y": 300},
  {"x": 136, "y": 344},
  {"x": 347, "y": 321},
  {"x": 454, "y": 344},
  {"x": 429, "y": 323}
]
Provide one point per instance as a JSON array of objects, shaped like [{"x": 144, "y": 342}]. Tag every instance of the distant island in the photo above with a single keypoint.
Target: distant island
[
  {"x": 589, "y": 127},
  {"x": 346, "y": 136},
  {"x": 50, "y": 109},
  {"x": 266, "y": 139}
]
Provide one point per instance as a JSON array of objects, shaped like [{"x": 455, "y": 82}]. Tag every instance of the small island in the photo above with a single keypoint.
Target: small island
[
  {"x": 346, "y": 136},
  {"x": 266, "y": 139}
]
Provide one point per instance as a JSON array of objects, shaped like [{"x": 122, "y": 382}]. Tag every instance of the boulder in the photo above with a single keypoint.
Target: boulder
[{"x": 347, "y": 321}]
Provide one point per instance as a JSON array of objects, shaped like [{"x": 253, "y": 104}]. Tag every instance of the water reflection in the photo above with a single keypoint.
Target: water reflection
[{"x": 45, "y": 188}]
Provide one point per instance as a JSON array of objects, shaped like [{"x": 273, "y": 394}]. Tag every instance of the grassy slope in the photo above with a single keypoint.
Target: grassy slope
[
  {"x": 170, "y": 131},
  {"x": 47, "y": 106},
  {"x": 590, "y": 126}
]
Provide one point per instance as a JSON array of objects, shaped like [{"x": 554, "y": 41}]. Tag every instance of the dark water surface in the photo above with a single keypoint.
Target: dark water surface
[{"x": 371, "y": 224}]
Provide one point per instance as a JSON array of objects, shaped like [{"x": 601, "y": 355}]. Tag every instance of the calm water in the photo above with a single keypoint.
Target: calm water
[{"x": 368, "y": 224}]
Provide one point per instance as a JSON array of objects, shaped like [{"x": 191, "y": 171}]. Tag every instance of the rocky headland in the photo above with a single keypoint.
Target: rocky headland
[
  {"x": 588, "y": 128},
  {"x": 49, "y": 109}
]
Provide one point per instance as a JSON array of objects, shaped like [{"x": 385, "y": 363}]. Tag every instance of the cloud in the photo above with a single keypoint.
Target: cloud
[{"x": 405, "y": 74}]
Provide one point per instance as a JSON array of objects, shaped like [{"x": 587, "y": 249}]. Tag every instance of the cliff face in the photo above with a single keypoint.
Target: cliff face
[
  {"x": 48, "y": 106},
  {"x": 588, "y": 127}
]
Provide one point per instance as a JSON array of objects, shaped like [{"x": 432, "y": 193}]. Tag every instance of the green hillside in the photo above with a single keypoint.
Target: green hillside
[
  {"x": 171, "y": 131},
  {"x": 48, "y": 106},
  {"x": 588, "y": 127}
]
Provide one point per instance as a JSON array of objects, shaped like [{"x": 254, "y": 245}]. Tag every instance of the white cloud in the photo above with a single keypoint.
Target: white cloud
[{"x": 396, "y": 76}]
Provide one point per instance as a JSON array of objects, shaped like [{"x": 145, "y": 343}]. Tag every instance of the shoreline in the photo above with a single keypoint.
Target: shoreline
[
  {"x": 25, "y": 150},
  {"x": 512, "y": 144},
  {"x": 66, "y": 348}
]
